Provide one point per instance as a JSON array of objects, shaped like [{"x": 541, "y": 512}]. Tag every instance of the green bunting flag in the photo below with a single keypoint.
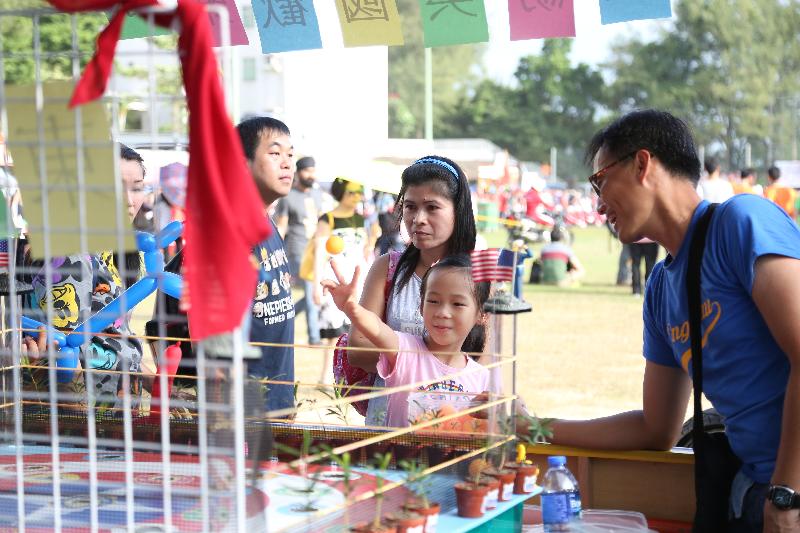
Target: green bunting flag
[{"x": 446, "y": 22}]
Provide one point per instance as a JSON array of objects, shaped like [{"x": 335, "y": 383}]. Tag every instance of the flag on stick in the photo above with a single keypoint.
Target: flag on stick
[{"x": 492, "y": 264}]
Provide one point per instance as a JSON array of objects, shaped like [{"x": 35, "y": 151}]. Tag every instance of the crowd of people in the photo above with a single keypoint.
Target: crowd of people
[{"x": 415, "y": 312}]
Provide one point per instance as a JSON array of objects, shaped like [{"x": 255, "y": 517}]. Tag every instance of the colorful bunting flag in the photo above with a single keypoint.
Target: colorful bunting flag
[
  {"x": 612, "y": 11},
  {"x": 285, "y": 25},
  {"x": 369, "y": 22},
  {"x": 541, "y": 19},
  {"x": 237, "y": 34},
  {"x": 446, "y": 22},
  {"x": 492, "y": 264},
  {"x": 135, "y": 27}
]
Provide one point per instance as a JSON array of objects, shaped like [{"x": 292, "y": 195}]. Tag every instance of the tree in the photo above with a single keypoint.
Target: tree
[
  {"x": 552, "y": 104},
  {"x": 55, "y": 36},
  {"x": 724, "y": 66},
  {"x": 455, "y": 70}
]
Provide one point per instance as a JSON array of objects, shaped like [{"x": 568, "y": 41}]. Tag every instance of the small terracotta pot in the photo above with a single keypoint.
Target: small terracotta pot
[
  {"x": 407, "y": 522},
  {"x": 525, "y": 482},
  {"x": 366, "y": 527},
  {"x": 431, "y": 514},
  {"x": 492, "y": 494},
  {"x": 470, "y": 499},
  {"x": 506, "y": 478}
]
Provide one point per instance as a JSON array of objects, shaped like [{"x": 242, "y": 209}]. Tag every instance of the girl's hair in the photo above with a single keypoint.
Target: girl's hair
[
  {"x": 338, "y": 187},
  {"x": 476, "y": 339},
  {"x": 447, "y": 178}
]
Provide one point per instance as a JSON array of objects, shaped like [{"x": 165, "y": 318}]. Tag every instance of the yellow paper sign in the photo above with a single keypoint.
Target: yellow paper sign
[
  {"x": 49, "y": 166},
  {"x": 369, "y": 22}
]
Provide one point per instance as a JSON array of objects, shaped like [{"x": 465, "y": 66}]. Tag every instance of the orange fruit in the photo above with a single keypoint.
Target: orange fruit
[{"x": 334, "y": 245}]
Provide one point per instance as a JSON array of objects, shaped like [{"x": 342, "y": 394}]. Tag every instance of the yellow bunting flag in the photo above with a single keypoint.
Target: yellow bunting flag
[{"x": 369, "y": 22}]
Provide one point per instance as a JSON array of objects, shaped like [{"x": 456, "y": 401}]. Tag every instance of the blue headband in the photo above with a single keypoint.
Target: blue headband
[{"x": 443, "y": 164}]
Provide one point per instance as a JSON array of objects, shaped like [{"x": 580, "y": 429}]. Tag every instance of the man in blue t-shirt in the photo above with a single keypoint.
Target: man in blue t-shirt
[
  {"x": 269, "y": 152},
  {"x": 646, "y": 173}
]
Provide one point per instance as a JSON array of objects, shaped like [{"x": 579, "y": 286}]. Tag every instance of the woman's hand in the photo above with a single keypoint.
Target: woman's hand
[{"x": 344, "y": 294}]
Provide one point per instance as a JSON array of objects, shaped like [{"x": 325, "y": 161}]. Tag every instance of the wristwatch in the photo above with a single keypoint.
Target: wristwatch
[{"x": 783, "y": 497}]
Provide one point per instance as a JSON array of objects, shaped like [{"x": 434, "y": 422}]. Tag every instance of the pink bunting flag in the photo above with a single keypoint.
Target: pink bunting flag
[
  {"x": 541, "y": 19},
  {"x": 238, "y": 37}
]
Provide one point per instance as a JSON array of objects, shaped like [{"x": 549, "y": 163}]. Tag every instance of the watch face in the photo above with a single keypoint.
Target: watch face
[{"x": 782, "y": 498}]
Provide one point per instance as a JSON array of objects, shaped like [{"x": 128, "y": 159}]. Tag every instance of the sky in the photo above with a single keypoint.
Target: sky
[{"x": 591, "y": 45}]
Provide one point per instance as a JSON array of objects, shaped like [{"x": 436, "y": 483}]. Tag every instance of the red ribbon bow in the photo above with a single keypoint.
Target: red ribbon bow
[{"x": 224, "y": 215}]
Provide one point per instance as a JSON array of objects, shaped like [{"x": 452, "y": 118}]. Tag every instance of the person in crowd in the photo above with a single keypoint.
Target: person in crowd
[
  {"x": 269, "y": 152},
  {"x": 646, "y": 171},
  {"x": 748, "y": 184},
  {"x": 348, "y": 229},
  {"x": 714, "y": 187},
  {"x": 454, "y": 323},
  {"x": 390, "y": 238},
  {"x": 777, "y": 192},
  {"x": 296, "y": 216},
  {"x": 560, "y": 265},
  {"x": 647, "y": 250},
  {"x": 436, "y": 209},
  {"x": 80, "y": 286}
]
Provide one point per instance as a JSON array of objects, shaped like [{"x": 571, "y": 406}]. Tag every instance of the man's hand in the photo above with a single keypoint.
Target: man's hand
[
  {"x": 344, "y": 294},
  {"x": 777, "y": 521},
  {"x": 35, "y": 349}
]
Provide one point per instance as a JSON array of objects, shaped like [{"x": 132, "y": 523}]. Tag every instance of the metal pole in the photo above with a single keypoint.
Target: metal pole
[{"x": 553, "y": 163}]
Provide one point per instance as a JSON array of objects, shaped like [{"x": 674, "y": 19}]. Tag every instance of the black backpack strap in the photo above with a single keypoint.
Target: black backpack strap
[{"x": 695, "y": 332}]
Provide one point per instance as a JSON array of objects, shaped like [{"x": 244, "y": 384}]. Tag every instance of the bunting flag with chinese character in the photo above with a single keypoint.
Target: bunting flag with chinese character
[
  {"x": 135, "y": 28},
  {"x": 285, "y": 25},
  {"x": 492, "y": 264},
  {"x": 237, "y": 35},
  {"x": 369, "y": 22},
  {"x": 446, "y": 22},
  {"x": 612, "y": 11},
  {"x": 541, "y": 19}
]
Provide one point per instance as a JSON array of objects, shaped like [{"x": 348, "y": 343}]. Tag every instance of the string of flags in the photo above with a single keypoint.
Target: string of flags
[{"x": 288, "y": 25}]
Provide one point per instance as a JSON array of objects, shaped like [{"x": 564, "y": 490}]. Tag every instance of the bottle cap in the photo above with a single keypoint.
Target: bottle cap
[{"x": 556, "y": 460}]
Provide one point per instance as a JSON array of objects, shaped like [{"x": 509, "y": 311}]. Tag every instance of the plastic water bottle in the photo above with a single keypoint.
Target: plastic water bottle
[{"x": 561, "y": 500}]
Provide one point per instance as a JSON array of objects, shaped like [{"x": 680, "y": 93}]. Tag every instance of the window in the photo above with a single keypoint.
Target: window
[
  {"x": 247, "y": 17},
  {"x": 249, "y": 69}
]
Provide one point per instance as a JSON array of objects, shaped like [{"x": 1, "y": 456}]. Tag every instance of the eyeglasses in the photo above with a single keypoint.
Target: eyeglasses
[{"x": 594, "y": 178}]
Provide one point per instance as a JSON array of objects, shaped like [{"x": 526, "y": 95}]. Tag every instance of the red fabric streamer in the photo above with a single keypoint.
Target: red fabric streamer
[{"x": 224, "y": 214}]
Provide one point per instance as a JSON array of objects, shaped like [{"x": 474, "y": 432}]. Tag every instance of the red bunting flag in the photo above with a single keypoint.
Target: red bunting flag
[{"x": 224, "y": 215}]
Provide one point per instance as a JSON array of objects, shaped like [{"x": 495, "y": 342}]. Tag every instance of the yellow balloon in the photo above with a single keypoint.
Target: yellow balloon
[{"x": 334, "y": 245}]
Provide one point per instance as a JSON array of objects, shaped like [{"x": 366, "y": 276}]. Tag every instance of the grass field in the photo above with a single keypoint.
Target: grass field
[{"x": 580, "y": 348}]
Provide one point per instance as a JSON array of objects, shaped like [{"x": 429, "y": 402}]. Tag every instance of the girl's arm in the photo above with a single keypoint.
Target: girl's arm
[
  {"x": 373, "y": 299},
  {"x": 367, "y": 322}
]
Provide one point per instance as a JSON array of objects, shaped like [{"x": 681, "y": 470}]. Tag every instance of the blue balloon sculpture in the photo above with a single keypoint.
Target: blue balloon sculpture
[{"x": 155, "y": 279}]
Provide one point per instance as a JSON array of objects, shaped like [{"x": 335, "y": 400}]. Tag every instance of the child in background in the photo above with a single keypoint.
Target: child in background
[{"x": 451, "y": 306}]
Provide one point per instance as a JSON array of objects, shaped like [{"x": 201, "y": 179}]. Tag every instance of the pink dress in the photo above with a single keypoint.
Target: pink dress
[{"x": 416, "y": 363}]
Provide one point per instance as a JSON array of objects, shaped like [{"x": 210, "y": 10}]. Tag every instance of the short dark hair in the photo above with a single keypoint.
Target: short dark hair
[
  {"x": 774, "y": 172},
  {"x": 667, "y": 137},
  {"x": 338, "y": 187},
  {"x": 252, "y": 129},
  {"x": 453, "y": 186},
  {"x": 129, "y": 154},
  {"x": 711, "y": 164},
  {"x": 745, "y": 172},
  {"x": 476, "y": 339},
  {"x": 557, "y": 234}
]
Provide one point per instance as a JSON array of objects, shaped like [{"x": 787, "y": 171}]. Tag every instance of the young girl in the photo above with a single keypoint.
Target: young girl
[
  {"x": 454, "y": 322},
  {"x": 435, "y": 205}
]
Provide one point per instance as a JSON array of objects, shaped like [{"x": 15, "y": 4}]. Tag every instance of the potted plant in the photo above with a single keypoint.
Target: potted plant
[
  {"x": 531, "y": 430},
  {"x": 471, "y": 494},
  {"x": 345, "y": 464},
  {"x": 419, "y": 483},
  {"x": 504, "y": 476},
  {"x": 310, "y": 476},
  {"x": 377, "y": 525}
]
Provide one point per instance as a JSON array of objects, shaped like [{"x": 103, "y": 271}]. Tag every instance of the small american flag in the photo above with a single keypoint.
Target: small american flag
[
  {"x": 3, "y": 253},
  {"x": 492, "y": 264}
]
